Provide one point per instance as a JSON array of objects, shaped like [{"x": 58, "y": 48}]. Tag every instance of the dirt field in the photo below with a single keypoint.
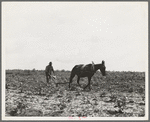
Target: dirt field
[{"x": 119, "y": 94}]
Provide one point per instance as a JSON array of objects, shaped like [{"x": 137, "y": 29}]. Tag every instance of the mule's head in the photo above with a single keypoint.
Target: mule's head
[{"x": 103, "y": 68}]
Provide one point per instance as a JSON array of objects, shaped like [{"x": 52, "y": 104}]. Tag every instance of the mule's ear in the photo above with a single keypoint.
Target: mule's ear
[{"x": 103, "y": 62}]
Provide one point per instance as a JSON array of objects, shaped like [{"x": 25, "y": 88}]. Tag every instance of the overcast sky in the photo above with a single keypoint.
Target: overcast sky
[{"x": 70, "y": 33}]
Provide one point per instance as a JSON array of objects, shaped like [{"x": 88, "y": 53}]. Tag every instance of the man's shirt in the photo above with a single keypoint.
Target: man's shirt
[{"x": 49, "y": 69}]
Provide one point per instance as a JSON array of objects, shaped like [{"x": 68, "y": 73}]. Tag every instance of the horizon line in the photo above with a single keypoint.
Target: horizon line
[{"x": 70, "y": 70}]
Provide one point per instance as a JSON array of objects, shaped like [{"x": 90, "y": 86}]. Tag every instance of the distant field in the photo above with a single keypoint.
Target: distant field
[{"x": 119, "y": 94}]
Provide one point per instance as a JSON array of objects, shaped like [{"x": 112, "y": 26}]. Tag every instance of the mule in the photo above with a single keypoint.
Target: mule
[{"x": 86, "y": 71}]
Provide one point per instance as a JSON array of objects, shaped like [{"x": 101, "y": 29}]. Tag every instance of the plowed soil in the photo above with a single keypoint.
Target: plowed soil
[{"x": 119, "y": 94}]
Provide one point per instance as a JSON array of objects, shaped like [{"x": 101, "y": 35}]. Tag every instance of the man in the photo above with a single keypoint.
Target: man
[{"x": 48, "y": 70}]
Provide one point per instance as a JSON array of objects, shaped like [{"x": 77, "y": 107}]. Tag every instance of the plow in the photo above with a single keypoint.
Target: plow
[{"x": 55, "y": 79}]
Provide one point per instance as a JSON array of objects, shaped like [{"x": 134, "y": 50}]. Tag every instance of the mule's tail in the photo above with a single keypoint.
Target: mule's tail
[{"x": 71, "y": 76}]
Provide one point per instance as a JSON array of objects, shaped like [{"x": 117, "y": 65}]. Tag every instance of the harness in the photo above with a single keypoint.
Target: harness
[
  {"x": 93, "y": 68},
  {"x": 84, "y": 68}
]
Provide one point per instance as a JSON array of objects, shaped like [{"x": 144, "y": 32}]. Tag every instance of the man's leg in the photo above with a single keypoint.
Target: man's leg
[
  {"x": 47, "y": 78},
  {"x": 50, "y": 78}
]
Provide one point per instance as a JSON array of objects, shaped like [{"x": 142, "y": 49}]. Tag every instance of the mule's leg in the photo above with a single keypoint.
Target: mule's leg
[
  {"x": 71, "y": 77},
  {"x": 78, "y": 81},
  {"x": 89, "y": 80}
]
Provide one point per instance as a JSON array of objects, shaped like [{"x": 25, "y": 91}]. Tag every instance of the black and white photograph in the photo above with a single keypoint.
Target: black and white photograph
[{"x": 74, "y": 60}]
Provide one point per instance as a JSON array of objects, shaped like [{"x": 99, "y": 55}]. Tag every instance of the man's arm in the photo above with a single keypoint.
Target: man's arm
[
  {"x": 53, "y": 70},
  {"x": 47, "y": 70}
]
